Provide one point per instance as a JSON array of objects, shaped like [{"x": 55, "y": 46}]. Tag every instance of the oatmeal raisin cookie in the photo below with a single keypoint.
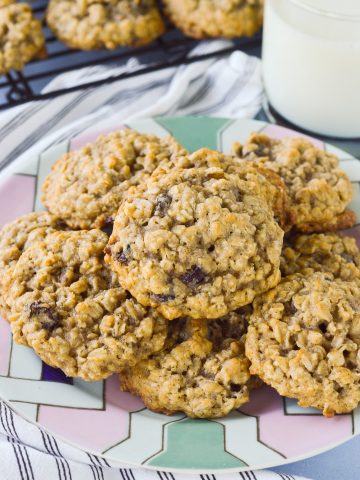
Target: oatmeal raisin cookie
[
  {"x": 216, "y": 18},
  {"x": 68, "y": 306},
  {"x": 320, "y": 191},
  {"x": 274, "y": 188},
  {"x": 21, "y": 36},
  {"x": 321, "y": 252},
  {"x": 85, "y": 186},
  {"x": 96, "y": 24},
  {"x": 202, "y": 371},
  {"x": 17, "y": 236},
  {"x": 198, "y": 242},
  {"x": 304, "y": 341}
]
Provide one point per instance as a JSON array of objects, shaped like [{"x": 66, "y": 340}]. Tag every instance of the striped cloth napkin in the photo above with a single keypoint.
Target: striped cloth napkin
[{"x": 228, "y": 87}]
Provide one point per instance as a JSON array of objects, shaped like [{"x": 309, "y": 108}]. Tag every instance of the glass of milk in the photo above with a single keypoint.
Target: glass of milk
[{"x": 311, "y": 64}]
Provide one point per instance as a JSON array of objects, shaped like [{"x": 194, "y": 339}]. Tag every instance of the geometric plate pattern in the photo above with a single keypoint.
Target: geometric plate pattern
[{"x": 100, "y": 419}]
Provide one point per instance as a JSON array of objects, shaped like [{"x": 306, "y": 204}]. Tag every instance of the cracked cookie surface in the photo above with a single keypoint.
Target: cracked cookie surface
[
  {"x": 97, "y": 24},
  {"x": 85, "y": 186},
  {"x": 320, "y": 191},
  {"x": 216, "y": 18},
  {"x": 17, "y": 236},
  {"x": 304, "y": 339},
  {"x": 68, "y": 306},
  {"x": 196, "y": 242},
  {"x": 202, "y": 371},
  {"x": 21, "y": 36},
  {"x": 321, "y": 252}
]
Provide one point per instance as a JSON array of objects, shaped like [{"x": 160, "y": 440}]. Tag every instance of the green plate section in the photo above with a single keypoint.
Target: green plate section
[
  {"x": 196, "y": 132},
  {"x": 195, "y": 444}
]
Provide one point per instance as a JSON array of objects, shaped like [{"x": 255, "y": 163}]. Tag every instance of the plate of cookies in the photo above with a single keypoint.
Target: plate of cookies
[{"x": 188, "y": 289}]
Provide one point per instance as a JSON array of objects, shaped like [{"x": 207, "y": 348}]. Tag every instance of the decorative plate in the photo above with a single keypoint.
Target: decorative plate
[{"x": 98, "y": 418}]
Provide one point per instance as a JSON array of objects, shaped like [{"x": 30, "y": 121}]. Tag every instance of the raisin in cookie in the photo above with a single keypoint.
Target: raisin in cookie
[
  {"x": 21, "y": 36},
  {"x": 68, "y": 306},
  {"x": 202, "y": 371},
  {"x": 96, "y": 24},
  {"x": 85, "y": 186},
  {"x": 304, "y": 340},
  {"x": 18, "y": 235},
  {"x": 198, "y": 242},
  {"x": 274, "y": 188},
  {"x": 318, "y": 188},
  {"x": 216, "y": 18},
  {"x": 321, "y": 252}
]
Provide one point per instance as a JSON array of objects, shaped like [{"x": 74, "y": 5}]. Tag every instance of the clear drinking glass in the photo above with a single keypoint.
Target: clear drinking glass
[{"x": 311, "y": 64}]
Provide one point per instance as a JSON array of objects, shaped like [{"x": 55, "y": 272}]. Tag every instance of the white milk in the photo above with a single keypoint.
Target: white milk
[{"x": 311, "y": 63}]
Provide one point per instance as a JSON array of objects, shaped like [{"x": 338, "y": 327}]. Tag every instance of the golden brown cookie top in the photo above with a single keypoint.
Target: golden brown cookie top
[
  {"x": 198, "y": 242},
  {"x": 91, "y": 25},
  {"x": 216, "y": 18},
  {"x": 14, "y": 236},
  {"x": 21, "y": 36},
  {"x": 68, "y": 306},
  {"x": 85, "y": 186},
  {"x": 17, "y": 236},
  {"x": 304, "y": 339},
  {"x": 202, "y": 371},
  {"x": 273, "y": 186},
  {"x": 320, "y": 191},
  {"x": 322, "y": 252}
]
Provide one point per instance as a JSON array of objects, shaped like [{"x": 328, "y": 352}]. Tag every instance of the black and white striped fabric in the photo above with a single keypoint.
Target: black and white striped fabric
[
  {"x": 228, "y": 87},
  {"x": 28, "y": 453}
]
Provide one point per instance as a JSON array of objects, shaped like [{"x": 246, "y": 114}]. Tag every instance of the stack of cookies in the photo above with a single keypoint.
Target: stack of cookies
[{"x": 193, "y": 276}]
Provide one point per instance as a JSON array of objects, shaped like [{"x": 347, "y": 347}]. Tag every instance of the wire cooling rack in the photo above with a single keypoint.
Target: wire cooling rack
[{"x": 170, "y": 50}]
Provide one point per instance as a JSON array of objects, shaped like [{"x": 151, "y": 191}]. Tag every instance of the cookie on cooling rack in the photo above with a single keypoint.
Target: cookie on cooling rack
[
  {"x": 21, "y": 36},
  {"x": 216, "y": 18},
  {"x": 320, "y": 191},
  {"x": 92, "y": 25}
]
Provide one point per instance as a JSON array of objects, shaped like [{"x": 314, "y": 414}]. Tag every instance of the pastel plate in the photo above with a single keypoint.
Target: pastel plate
[{"x": 99, "y": 419}]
